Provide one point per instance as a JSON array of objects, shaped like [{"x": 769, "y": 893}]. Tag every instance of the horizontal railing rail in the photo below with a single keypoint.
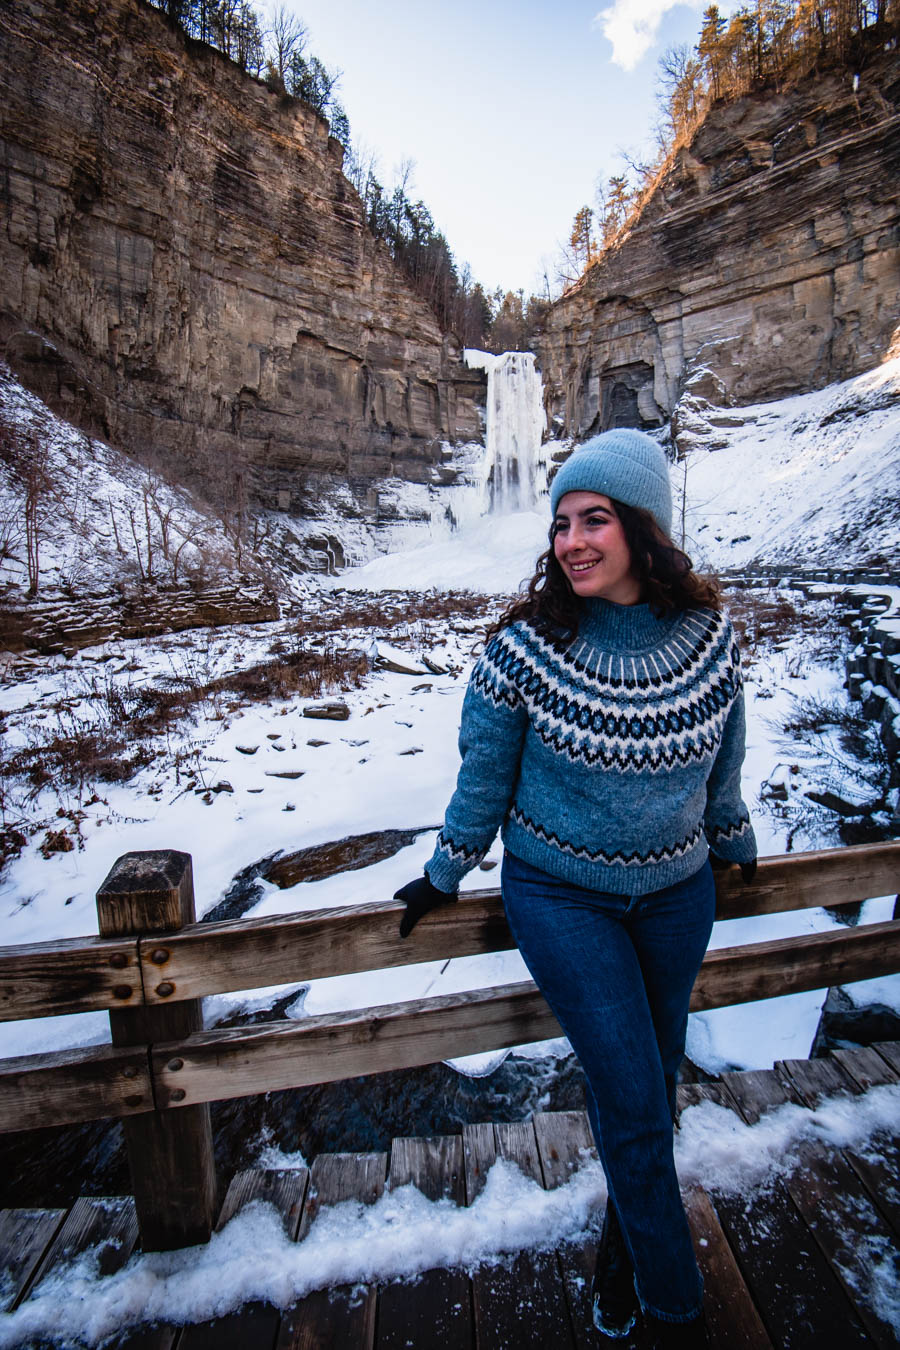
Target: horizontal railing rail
[
  {"x": 89, "y": 974},
  {"x": 149, "y": 970}
]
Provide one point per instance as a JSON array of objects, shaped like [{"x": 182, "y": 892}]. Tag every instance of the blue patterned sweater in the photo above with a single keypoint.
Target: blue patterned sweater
[{"x": 614, "y": 764}]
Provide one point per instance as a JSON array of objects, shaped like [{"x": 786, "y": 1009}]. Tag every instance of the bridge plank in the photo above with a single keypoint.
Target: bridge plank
[
  {"x": 108, "y": 1223},
  {"x": 256, "y": 1323},
  {"x": 815, "y": 1079},
  {"x": 866, "y": 1067},
  {"x": 565, "y": 1142},
  {"x": 734, "y": 1323},
  {"x": 344, "y": 1316},
  {"x": 890, "y": 1050},
  {"x": 479, "y": 1156},
  {"x": 25, "y": 1235},
  {"x": 757, "y": 1091},
  {"x": 520, "y": 1302},
  {"x": 795, "y": 1291},
  {"x": 878, "y": 1169},
  {"x": 435, "y": 1311},
  {"x": 798, "y": 1298},
  {"x": 851, "y": 1234}
]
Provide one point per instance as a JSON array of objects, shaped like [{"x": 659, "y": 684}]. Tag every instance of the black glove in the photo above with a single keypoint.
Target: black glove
[
  {"x": 419, "y": 897},
  {"x": 748, "y": 869}
]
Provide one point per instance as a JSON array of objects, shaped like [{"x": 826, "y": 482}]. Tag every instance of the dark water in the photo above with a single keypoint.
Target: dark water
[{"x": 54, "y": 1166}]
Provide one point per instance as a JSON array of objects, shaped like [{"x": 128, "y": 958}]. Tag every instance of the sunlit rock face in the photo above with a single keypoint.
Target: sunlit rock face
[
  {"x": 186, "y": 241},
  {"x": 769, "y": 254}
]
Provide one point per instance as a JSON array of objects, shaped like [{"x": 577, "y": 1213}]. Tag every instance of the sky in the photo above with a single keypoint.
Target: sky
[{"x": 510, "y": 109}]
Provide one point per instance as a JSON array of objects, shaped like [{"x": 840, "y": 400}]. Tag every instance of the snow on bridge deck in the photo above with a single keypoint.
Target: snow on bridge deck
[{"x": 788, "y": 1265}]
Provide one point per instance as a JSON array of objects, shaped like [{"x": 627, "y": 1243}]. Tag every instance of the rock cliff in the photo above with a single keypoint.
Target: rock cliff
[
  {"x": 187, "y": 272},
  {"x": 768, "y": 256}
]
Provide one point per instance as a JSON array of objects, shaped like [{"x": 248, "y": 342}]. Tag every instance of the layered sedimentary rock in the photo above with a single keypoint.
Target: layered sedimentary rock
[
  {"x": 187, "y": 272},
  {"x": 768, "y": 254}
]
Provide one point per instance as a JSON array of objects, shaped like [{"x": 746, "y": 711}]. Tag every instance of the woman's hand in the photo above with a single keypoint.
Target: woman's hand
[
  {"x": 748, "y": 869},
  {"x": 419, "y": 897}
]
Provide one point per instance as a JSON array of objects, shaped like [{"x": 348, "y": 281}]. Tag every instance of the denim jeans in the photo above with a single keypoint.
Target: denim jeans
[{"x": 617, "y": 970}]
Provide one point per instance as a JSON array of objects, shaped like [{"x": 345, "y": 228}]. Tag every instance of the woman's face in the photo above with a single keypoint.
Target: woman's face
[{"x": 590, "y": 547}]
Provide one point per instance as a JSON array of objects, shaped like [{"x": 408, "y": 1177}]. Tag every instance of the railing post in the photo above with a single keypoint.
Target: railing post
[{"x": 170, "y": 1153}]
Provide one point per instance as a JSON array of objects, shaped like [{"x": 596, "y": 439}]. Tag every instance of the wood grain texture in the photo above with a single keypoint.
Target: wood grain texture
[
  {"x": 479, "y": 1156},
  {"x": 815, "y": 1079},
  {"x": 865, "y": 1066},
  {"x": 852, "y": 1236},
  {"x": 757, "y": 1091},
  {"x": 734, "y": 1323},
  {"x": 521, "y": 1302},
  {"x": 248, "y": 953},
  {"x": 822, "y": 877},
  {"x": 241, "y": 1061},
  {"x": 255, "y": 1323},
  {"x": 25, "y": 1235},
  {"x": 433, "y": 1312},
  {"x": 796, "y": 1294},
  {"x": 343, "y": 1316},
  {"x": 108, "y": 1224},
  {"x": 791, "y": 965},
  {"x": 890, "y": 1051},
  {"x": 67, "y": 1086},
  {"x": 565, "y": 1143},
  {"x": 46, "y": 979},
  {"x": 170, "y": 1157},
  {"x": 151, "y": 891}
]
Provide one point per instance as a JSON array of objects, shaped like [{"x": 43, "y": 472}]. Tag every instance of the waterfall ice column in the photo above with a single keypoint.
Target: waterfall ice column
[{"x": 515, "y": 469}]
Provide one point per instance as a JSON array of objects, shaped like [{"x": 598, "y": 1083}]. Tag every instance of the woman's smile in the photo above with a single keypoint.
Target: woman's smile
[{"x": 590, "y": 547}]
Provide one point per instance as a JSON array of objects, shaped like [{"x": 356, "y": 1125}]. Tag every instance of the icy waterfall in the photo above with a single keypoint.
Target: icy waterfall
[{"x": 515, "y": 470}]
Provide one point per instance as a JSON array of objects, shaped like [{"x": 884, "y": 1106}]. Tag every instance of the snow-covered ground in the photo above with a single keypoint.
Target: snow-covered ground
[
  {"x": 813, "y": 479},
  {"x": 392, "y": 764},
  {"x": 403, "y": 1233}
]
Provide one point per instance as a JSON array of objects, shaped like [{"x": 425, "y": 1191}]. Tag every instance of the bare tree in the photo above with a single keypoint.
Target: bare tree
[
  {"x": 286, "y": 39},
  {"x": 36, "y": 480}
]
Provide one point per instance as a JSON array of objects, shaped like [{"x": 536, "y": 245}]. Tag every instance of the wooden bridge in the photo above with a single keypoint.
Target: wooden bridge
[{"x": 786, "y": 1271}]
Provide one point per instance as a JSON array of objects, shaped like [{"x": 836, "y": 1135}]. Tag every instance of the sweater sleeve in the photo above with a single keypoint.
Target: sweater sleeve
[
  {"x": 491, "y": 732},
  {"x": 727, "y": 820}
]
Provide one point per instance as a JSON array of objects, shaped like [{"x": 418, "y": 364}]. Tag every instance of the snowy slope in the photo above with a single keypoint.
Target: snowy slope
[{"x": 813, "y": 479}]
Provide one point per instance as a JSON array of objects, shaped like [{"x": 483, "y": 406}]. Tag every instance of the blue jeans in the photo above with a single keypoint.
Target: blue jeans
[{"x": 618, "y": 970}]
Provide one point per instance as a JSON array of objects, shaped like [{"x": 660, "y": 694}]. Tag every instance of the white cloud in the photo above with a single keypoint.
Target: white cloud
[{"x": 631, "y": 26}]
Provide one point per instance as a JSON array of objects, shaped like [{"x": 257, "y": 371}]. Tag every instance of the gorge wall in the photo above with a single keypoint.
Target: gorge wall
[
  {"x": 187, "y": 273},
  {"x": 769, "y": 253}
]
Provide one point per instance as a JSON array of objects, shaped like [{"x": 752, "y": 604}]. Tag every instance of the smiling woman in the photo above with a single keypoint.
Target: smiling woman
[
  {"x": 603, "y": 733},
  {"x": 590, "y": 546}
]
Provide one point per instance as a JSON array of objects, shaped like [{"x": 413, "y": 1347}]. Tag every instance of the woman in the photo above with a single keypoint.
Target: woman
[{"x": 603, "y": 730}]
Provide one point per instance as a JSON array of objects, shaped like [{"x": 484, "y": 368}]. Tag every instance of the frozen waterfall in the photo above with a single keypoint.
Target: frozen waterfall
[{"x": 515, "y": 469}]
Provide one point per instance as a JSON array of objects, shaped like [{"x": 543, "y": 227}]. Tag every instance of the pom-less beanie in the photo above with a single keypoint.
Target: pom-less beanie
[{"x": 624, "y": 464}]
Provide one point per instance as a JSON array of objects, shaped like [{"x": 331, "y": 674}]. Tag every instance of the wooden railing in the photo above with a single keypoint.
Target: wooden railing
[{"x": 152, "y": 963}]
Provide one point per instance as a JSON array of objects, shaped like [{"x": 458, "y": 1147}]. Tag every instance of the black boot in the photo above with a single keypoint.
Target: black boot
[
  {"x": 614, "y": 1300},
  {"x": 677, "y": 1335}
]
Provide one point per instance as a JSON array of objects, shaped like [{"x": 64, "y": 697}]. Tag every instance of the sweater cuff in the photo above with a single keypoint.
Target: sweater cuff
[
  {"x": 450, "y": 862},
  {"x": 735, "y": 843}
]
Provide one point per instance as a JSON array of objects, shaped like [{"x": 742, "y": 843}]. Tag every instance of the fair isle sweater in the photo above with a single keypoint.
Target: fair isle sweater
[{"x": 613, "y": 763}]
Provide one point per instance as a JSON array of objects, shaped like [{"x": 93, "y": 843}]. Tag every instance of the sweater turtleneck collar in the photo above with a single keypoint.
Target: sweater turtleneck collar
[{"x": 622, "y": 628}]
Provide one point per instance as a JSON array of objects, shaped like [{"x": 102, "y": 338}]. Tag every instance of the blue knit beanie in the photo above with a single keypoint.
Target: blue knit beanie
[{"x": 623, "y": 464}]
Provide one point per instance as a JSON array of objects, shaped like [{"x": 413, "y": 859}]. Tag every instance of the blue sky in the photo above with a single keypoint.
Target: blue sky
[{"x": 509, "y": 108}]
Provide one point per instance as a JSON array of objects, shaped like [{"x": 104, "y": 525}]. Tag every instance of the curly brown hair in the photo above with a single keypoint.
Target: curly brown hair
[{"x": 665, "y": 572}]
